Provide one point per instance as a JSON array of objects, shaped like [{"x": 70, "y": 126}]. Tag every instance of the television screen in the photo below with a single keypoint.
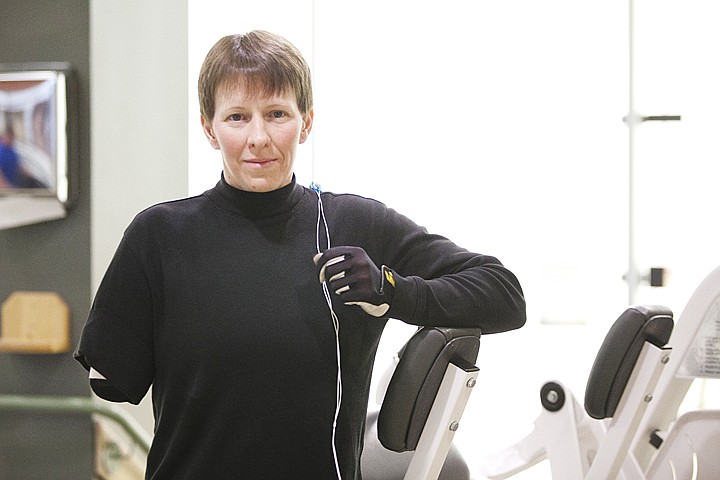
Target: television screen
[
  {"x": 34, "y": 185},
  {"x": 33, "y": 141}
]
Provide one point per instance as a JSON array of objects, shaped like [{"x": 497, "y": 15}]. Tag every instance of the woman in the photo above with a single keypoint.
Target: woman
[{"x": 255, "y": 309}]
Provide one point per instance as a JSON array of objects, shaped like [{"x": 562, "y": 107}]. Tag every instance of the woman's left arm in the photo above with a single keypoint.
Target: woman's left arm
[
  {"x": 439, "y": 283},
  {"x": 406, "y": 273}
]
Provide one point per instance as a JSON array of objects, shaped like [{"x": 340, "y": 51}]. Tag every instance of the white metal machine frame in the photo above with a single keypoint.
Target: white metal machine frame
[{"x": 645, "y": 437}]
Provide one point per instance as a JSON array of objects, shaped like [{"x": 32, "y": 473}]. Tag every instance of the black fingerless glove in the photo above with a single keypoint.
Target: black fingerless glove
[{"x": 352, "y": 275}]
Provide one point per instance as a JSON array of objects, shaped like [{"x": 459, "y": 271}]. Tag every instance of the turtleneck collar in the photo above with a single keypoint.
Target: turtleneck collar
[{"x": 255, "y": 204}]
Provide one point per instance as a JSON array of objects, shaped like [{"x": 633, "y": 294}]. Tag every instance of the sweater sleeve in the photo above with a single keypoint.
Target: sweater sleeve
[
  {"x": 441, "y": 284},
  {"x": 117, "y": 337}
]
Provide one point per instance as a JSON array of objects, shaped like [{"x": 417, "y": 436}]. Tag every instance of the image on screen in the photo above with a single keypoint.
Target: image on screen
[{"x": 32, "y": 133}]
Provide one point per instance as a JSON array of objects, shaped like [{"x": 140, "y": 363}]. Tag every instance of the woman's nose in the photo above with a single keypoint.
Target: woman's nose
[{"x": 258, "y": 136}]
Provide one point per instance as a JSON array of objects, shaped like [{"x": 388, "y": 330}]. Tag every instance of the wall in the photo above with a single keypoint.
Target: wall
[
  {"x": 139, "y": 131},
  {"x": 51, "y": 256},
  {"x": 139, "y": 139}
]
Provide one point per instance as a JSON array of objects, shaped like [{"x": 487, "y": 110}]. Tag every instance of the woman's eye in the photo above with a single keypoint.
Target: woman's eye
[
  {"x": 235, "y": 117},
  {"x": 277, "y": 114}
]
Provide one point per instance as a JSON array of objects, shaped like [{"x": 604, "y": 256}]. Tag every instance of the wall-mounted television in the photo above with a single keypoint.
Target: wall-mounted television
[{"x": 34, "y": 143}]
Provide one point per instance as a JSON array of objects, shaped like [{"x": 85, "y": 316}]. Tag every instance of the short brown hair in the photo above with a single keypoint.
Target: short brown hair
[{"x": 264, "y": 61}]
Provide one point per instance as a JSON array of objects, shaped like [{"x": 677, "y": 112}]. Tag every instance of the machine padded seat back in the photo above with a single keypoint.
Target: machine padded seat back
[
  {"x": 619, "y": 353},
  {"x": 416, "y": 380}
]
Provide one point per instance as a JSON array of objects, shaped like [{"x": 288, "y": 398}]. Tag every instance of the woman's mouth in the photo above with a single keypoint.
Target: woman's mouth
[{"x": 259, "y": 162}]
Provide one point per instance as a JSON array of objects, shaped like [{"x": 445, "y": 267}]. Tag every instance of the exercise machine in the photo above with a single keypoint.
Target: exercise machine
[
  {"x": 423, "y": 398},
  {"x": 631, "y": 427}
]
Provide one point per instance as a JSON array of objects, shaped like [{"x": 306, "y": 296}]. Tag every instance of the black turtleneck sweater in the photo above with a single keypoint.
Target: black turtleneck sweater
[{"x": 214, "y": 300}]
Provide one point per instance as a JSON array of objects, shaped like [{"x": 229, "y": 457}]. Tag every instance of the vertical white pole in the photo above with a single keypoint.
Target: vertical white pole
[{"x": 632, "y": 277}]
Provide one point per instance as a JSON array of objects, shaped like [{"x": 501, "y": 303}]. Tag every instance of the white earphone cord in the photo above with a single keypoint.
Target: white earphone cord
[{"x": 336, "y": 325}]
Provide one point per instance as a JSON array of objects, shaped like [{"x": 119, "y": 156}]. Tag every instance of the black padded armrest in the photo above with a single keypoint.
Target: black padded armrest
[
  {"x": 416, "y": 380},
  {"x": 619, "y": 353}
]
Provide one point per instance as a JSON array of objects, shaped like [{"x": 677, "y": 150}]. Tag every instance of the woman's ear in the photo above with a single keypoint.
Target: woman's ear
[
  {"x": 207, "y": 129},
  {"x": 307, "y": 125}
]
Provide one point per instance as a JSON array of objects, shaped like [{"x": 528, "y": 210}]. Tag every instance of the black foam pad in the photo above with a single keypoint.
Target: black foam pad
[
  {"x": 416, "y": 380},
  {"x": 619, "y": 352}
]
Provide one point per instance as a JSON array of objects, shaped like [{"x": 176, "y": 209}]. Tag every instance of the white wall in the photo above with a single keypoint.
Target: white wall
[
  {"x": 138, "y": 75},
  {"x": 139, "y": 79}
]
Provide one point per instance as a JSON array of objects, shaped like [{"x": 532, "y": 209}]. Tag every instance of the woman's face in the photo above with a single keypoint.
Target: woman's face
[{"x": 257, "y": 137}]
